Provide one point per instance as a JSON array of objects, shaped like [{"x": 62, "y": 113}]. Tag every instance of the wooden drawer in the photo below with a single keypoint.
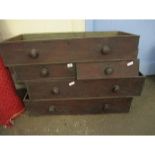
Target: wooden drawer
[
  {"x": 38, "y": 72},
  {"x": 110, "y": 69},
  {"x": 67, "y": 89},
  {"x": 69, "y": 48},
  {"x": 93, "y": 106}
]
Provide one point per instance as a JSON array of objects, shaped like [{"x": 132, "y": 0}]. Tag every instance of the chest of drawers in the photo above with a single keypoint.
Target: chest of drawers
[{"x": 75, "y": 73}]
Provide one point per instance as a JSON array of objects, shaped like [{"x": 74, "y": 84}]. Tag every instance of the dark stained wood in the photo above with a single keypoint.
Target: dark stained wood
[
  {"x": 100, "y": 81},
  {"x": 14, "y": 39},
  {"x": 66, "y": 51},
  {"x": 93, "y": 106},
  {"x": 98, "y": 70},
  {"x": 54, "y": 71},
  {"x": 66, "y": 35},
  {"x": 86, "y": 88}
]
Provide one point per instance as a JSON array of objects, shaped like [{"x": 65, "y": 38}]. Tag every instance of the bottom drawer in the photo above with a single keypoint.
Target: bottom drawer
[{"x": 93, "y": 106}]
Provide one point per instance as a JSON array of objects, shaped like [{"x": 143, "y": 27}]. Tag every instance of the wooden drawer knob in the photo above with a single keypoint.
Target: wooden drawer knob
[
  {"x": 116, "y": 88},
  {"x": 105, "y": 50},
  {"x": 108, "y": 71},
  {"x": 106, "y": 106},
  {"x": 33, "y": 53},
  {"x": 51, "y": 108},
  {"x": 55, "y": 91},
  {"x": 44, "y": 72}
]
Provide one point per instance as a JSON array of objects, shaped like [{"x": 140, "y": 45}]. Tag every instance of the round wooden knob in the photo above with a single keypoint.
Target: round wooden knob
[
  {"x": 51, "y": 108},
  {"x": 55, "y": 91},
  {"x": 108, "y": 71},
  {"x": 106, "y": 106},
  {"x": 105, "y": 49},
  {"x": 44, "y": 72},
  {"x": 116, "y": 88},
  {"x": 34, "y": 54}
]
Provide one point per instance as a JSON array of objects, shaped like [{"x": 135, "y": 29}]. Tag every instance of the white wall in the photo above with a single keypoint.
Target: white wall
[{"x": 9, "y": 28}]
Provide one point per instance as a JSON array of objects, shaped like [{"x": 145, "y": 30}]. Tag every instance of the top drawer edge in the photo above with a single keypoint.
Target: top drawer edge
[{"x": 66, "y": 36}]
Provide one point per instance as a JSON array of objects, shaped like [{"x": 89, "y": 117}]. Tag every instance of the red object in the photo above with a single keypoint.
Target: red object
[{"x": 10, "y": 104}]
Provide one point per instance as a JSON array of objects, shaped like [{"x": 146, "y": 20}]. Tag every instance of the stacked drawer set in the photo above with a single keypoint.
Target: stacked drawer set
[{"x": 76, "y": 73}]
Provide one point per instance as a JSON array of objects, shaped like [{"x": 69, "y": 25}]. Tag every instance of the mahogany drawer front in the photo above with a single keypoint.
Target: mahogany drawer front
[
  {"x": 70, "y": 51},
  {"x": 110, "y": 69},
  {"x": 93, "y": 106},
  {"x": 52, "y": 71},
  {"x": 66, "y": 89}
]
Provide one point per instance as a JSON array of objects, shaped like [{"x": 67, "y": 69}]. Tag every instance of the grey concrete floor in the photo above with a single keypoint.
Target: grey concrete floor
[{"x": 139, "y": 121}]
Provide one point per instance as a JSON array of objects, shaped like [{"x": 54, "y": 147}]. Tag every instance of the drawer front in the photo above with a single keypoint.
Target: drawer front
[
  {"x": 95, "y": 106},
  {"x": 54, "y": 71},
  {"x": 85, "y": 88},
  {"x": 110, "y": 69},
  {"x": 75, "y": 50}
]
